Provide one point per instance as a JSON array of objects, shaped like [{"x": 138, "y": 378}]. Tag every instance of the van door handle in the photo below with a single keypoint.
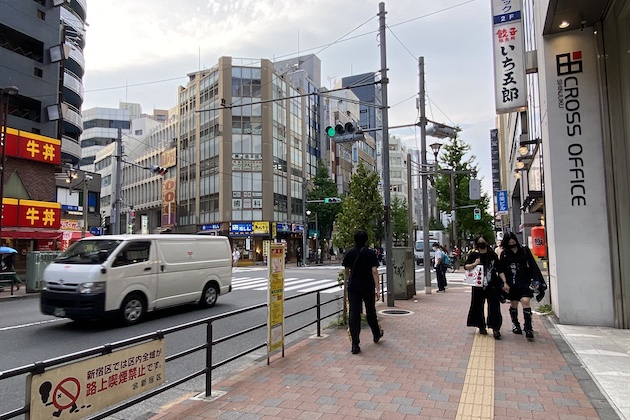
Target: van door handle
[
  {"x": 162, "y": 267},
  {"x": 147, "y": 268}
]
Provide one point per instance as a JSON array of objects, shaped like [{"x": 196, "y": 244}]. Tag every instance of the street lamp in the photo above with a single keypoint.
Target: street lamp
[{"x": 4, "y": 112}]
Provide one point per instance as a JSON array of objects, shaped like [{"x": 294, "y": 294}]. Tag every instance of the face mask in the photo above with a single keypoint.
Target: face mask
[
  {"x": 482, "y": 246},
  {"x": 513, "y": 247}
]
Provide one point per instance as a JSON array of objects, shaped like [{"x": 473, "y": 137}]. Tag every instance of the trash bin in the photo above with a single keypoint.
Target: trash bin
[
  {"x": 36, "y": 263},
  {"x": 404, "y": 272}
]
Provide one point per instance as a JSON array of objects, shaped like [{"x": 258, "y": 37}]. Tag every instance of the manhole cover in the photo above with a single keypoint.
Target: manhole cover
[{"x": 397, "y": 312}]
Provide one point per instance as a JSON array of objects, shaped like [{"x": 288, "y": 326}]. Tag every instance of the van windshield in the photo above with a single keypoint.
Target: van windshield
[
  {"x": 419, "y": 246},
  {"x": 88, "y": 252}
]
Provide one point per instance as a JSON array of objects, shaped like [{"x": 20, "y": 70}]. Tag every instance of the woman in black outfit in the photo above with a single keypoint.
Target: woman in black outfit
[
  {"x": 518, "y": 272},
  {"x": 491, "y": 293}
]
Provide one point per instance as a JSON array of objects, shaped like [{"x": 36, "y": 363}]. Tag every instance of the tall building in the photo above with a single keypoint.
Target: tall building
[
  {"x": 31, "y": 53},
  {"x": 248, "y": 139},
  {"x": 100, "y": 128},
  {"x": 565, "y": 148}
]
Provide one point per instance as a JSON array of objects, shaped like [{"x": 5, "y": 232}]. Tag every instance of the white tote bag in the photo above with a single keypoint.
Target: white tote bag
[{"x": 474, "y": 277}]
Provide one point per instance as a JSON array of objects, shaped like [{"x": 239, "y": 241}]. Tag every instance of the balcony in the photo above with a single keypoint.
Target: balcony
[
  {"x": 79, "y": 7},
  {"x": 75, "y": 62},
  {"x": 69, "y": 18},
  {"x": 72, "y": 122},
  {"x": 73, "y": 88},
  {"x": 70, "y": 150}
]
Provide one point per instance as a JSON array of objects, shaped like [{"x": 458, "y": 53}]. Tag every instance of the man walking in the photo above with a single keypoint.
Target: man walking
[
  {"x": 440, "y": 271},
  {"x": 361, "y": 265}
]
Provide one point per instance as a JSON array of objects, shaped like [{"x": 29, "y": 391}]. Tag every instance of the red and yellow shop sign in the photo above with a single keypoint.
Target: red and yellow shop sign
[
  {"x": 39, "y": 214},
  {"x": 9, "y": 212},
  {"x": 25, "y": 145},
  {"x": 168, "y": 202}
]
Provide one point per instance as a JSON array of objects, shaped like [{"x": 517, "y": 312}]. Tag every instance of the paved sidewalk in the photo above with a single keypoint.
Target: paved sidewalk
[{"x": 428, "y": 365}]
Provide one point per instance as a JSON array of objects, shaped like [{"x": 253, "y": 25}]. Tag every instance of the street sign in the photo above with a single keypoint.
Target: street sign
[{"x": 502, "y": 202}]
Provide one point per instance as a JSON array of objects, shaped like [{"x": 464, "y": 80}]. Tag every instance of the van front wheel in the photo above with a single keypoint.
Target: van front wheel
[
  {"x": 209, "y": 296},
  {"x": 132, "y": 309}
]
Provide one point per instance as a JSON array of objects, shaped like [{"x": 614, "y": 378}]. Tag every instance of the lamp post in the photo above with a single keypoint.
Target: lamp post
[{"x": 4, "y": 111}]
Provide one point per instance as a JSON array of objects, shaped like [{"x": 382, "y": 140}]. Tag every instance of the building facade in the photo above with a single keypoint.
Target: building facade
[
  {"x": 100, "y": 128},
  {"x": 566, "y": 155}
]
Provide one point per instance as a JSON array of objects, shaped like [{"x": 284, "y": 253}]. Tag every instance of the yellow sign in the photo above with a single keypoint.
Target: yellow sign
[
  {"x": 261, "y": 228},
  {"x": 76, "y": 390},
  {"x": 266, "y": 245},
  {"x": 275, "y": 298}
]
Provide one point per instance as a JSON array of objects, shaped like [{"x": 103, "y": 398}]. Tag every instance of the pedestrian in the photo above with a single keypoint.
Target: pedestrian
[
  {"x": 8, "y": 265},
  {"x": 319, "y": 256},
  {"x": 298, "y": 256},
  {"x": 490, "y": 292},
  {"x": 456, "y": 257},
  {"x": 361, "y": 268},
  {"x": 518, "y": 269},
  {"x": 236, "y": 255},
  {"x": 440, "y": 271}
]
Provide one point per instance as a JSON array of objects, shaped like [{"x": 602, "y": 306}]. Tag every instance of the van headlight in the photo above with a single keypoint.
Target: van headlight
[{"x": 95, "y": 287}]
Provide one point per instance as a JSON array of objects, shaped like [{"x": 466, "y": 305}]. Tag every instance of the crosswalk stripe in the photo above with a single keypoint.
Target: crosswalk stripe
[{"x": 290, "y": 284}]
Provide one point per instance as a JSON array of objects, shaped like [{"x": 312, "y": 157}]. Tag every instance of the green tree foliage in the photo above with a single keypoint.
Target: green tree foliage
[
  {"x": 362, "y": 209},
  {"x": 452, "y": 157},
  {"x": 323, "y": 187},
  {"x": 399, "y": 221}
]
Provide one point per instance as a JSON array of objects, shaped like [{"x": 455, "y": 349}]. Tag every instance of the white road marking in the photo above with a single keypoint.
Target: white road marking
[{"x": 31, "y": 324}]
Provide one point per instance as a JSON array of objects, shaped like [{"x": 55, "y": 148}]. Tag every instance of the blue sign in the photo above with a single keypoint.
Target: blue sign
[
  {"x": 66, "y": 207},
  {"x": 96, "y": 231},
  {"x": 241, "y": 227},
  {"x": 502, "y": 202},
  {"x": 211, "y": 226}
]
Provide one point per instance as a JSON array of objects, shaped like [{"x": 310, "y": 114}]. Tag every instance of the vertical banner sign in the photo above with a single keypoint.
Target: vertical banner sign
[
  {"x": 502, "y": 202},
  {"x": 275, "y": 298},
  {"x": 575, "y": 191},
  {"x": 168, "y": 202},
  {"x": 77, "y": 390},
  {"x": 509, "y": 58}
]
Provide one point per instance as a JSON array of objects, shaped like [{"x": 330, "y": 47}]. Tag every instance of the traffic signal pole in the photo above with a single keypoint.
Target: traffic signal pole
[
  {"x": 389, "y": 274},
  {"x": 118, "y": 185},
  {"x": 425, "y": 184}
]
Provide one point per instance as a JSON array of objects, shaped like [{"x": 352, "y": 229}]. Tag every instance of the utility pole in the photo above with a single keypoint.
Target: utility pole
[
  {"x": 118, "y": 187},
  {"x": 453, "y": 215},
  {"x": 389, "y": 274},
  {"x": 305, "y": 230},
  {"x": 424, "y": 186},
  {"x": 410, "y": 214},
  {"x": 86, "y": 178}
]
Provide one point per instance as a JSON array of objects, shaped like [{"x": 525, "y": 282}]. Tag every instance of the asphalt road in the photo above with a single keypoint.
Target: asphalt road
[{"x": 27, "y": 336}]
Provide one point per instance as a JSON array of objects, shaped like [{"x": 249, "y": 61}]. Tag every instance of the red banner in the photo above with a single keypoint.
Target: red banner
[
  {"x": 9, "y": 212},
  {"x": 168, "y": 202},
  {"x": 39, "y": 214},
  {"x": 25, "y": 145}
]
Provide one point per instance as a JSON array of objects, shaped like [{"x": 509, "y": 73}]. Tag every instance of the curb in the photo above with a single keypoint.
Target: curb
[{"x": 20, "y": 296}]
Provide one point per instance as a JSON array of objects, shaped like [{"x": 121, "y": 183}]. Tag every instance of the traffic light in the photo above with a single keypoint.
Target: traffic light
[
  {"x": 158, "y": 170},
  {"x": 345, "y": 133},
  {"x": 477, "y": 213},
  {"x": 133, "y": 215},
  {"x": 331, "y": 200}
]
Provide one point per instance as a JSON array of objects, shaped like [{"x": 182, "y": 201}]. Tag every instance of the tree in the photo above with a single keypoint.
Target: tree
[
  {"x": 362, "y": 208},
  {"x": 323, "y": 187},
  {"x": 452, "y": 158},
  {"x": 400, "y": 229}
]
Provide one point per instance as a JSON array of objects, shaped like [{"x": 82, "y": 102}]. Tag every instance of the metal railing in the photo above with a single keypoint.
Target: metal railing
[{"x": 42, "y": 366}]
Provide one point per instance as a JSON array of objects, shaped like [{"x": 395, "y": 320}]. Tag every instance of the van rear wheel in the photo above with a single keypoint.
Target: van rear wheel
[
  {"x": 132, "y": 309},
  {"x": 209, "y": 296}
]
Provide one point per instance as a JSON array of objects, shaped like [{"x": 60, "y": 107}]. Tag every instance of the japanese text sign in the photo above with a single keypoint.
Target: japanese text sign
[
  {"x": 25, "y": 145},
  {"x": 77, "y": 390},
  {"x": 168, "y": 202},
  {"x": 275, "y": 298},
  {"x": 39, "y": 214},
  {"x": 509, "y": 57},
  {"x": 9, "y": 212}
]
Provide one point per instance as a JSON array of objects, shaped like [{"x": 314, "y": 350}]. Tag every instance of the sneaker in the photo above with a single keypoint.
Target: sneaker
[
  {"x": 516, "y": 329},
  {"x": 496, "y": 334},
  {"x": 356, "y": 349},
  {"x": 378, "y": 337},
  {"x": 529, "y": 335}
]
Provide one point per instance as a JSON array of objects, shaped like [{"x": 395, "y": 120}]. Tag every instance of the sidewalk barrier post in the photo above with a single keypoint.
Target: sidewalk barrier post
[
  {"x": 209, "y": 358},
  {"x": 319, "y": 315},
  {"x": 382, "y": 287}
]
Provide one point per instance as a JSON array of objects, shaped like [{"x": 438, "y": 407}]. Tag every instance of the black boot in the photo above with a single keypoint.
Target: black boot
[
  {"x": 516, "y": 326},
  {"x": 527, "y": 326}
]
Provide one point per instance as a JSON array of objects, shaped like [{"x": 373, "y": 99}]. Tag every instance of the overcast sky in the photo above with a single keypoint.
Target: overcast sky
[{"x": 140, "y": 51}]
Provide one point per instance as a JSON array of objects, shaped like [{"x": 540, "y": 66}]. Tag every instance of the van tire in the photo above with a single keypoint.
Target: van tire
[
  {"x": 209, "y": 296},
  {"x": 132, "y": 309}
]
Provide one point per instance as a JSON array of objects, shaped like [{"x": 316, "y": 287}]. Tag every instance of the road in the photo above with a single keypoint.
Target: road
[{"x": 27, "y": 336}]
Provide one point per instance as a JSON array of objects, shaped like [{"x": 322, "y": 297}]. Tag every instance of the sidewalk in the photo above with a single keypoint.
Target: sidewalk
[
  {"x": 428, "y": 365},
  {"x": 6, "y": 294}
]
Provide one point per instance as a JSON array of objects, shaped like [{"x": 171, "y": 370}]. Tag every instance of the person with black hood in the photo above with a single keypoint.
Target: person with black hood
[
  {"x": 490, "y": 292},
  {"x": 361, "y": 267},
  {"x": 519, "y": 271}
]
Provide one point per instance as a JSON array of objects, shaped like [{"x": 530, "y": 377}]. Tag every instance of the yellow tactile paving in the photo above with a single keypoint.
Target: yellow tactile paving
[{"x": 477, "y": 399}]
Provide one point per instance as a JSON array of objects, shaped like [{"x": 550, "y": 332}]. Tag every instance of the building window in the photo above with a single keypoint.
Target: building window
[
  {"x": 38, "y": 72},
  {"x": 41, "y": 15}
]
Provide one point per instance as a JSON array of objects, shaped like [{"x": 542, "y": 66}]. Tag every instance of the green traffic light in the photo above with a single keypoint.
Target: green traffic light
[{"x": 330, "y": 131}]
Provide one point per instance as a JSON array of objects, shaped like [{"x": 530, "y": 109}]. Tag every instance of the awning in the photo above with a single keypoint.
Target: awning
[{"x": 18, "y": 233}]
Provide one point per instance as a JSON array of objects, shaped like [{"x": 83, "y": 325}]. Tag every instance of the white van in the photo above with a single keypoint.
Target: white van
[{"x": 130, "y": 275}]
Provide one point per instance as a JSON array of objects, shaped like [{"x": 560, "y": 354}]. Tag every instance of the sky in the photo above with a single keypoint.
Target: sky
[{"x": 140, "y": 51}]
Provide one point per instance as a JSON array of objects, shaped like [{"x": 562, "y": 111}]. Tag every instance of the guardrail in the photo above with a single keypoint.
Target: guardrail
[{"x": 42, "y": 366}]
